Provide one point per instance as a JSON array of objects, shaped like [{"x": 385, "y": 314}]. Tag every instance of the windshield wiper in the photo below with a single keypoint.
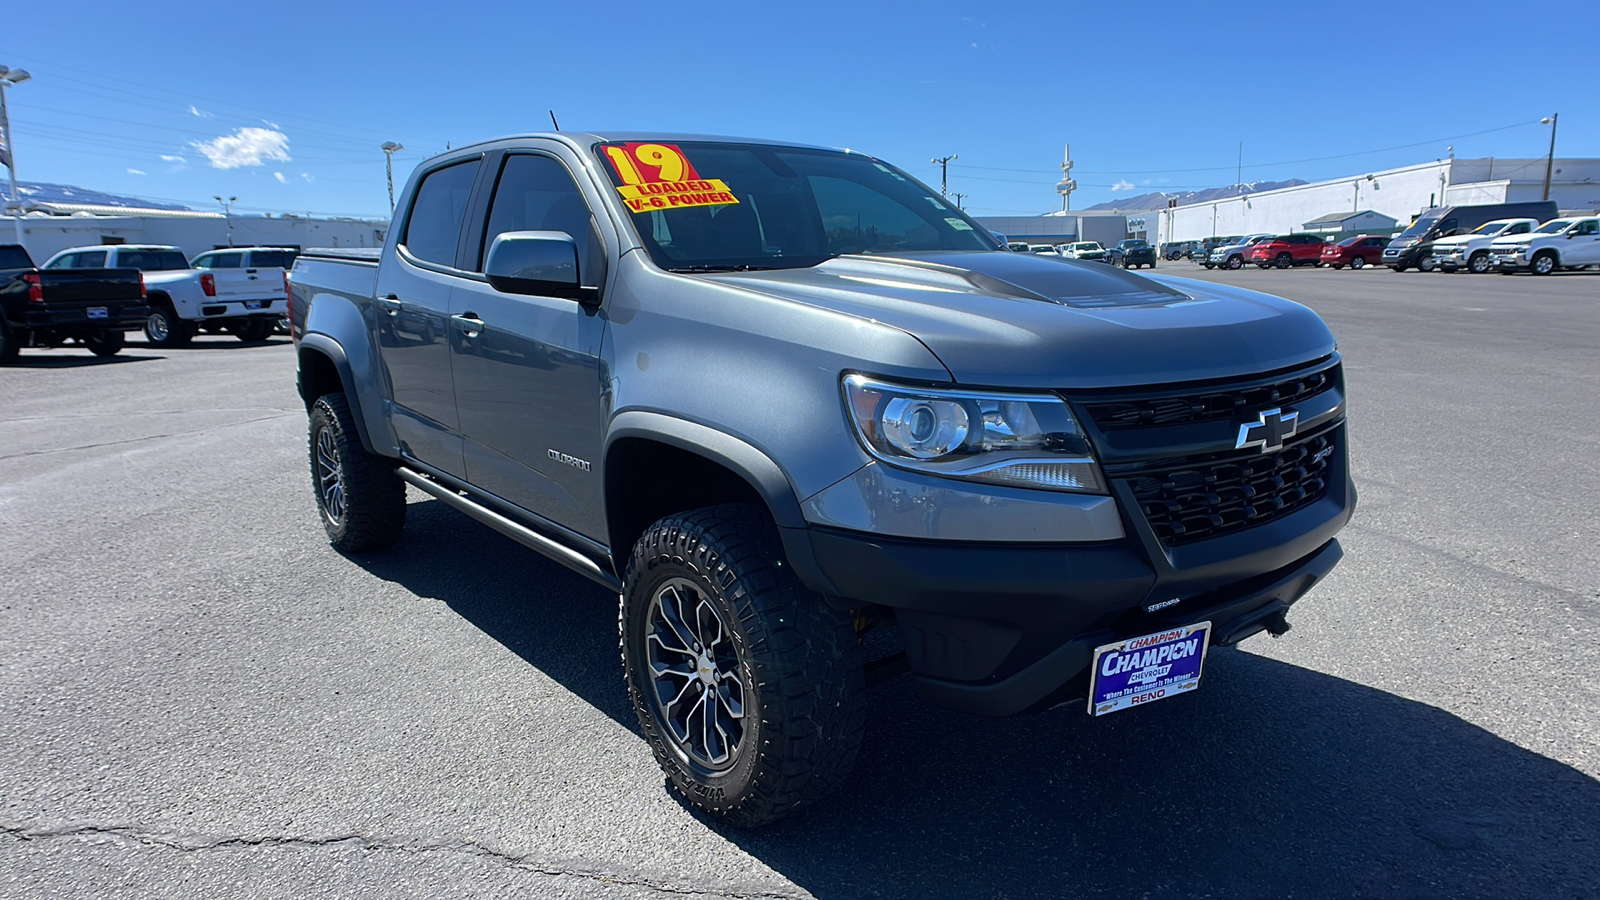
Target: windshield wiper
[{"x": 741, "y": 268}]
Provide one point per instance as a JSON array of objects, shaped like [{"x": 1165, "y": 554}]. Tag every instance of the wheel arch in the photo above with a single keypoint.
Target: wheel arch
[
  {"x": 655, "y": 465},
  {"x": 323, "y": 368}
]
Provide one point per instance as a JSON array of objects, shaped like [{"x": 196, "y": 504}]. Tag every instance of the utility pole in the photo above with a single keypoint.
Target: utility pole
[
  {"x": 960, "y": 197},
  {"x": 8, "y": 146},
  {"x": 227, "y": 213},
  {"x": 944, "y": 172},
  {"x": 1238, "y": 174},
  {"x": 1550, "y": 160},
  {"x": 390, "y": 148}
]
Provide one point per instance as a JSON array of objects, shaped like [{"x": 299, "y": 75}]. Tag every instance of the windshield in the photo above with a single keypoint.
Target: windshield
[
  {"x": 1089, "y": 246},
  {"x": 1491, "y": 228},
  {"x": 1134, "y": 245},
  {"x": 1554, "y": 226},
  {"x": 706, "y": 206},
  {"x": 1419, "y": 227}
]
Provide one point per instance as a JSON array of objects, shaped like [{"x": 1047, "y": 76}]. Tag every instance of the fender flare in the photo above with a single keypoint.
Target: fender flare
[
  {"x": 327, "y": 346},
  {"x": 734, "y": 454}
]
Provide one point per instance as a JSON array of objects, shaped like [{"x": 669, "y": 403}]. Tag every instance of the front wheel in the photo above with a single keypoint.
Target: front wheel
[
  {"x": 1479, "y": 263},
  {"x": 1544, "y": 263},
  {"x": 360, "y": 499},
  {"x": 747, "y": 686},
  {"x": 1235, "y": 262},
  {"x": 107, "y": 343},
  {"x": 252, "y": 331},
  {"x": 1426, "y": 264}
]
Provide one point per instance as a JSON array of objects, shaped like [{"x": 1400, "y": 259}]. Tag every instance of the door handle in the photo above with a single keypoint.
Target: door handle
[
  {"x": 390, "y": 304},
  {"x": 470, "y": 323}
]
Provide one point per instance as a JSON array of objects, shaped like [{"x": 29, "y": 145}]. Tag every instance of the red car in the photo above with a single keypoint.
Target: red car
[
  {"x": 1357, "y": 252},
  {"x": 1287, "y": 250}
]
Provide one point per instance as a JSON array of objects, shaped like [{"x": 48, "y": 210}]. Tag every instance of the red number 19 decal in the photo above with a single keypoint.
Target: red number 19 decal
[{"x": 650, "y": 163}]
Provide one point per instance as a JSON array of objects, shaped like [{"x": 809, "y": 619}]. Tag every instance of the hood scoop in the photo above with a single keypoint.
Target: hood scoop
[{"x": 1091, "y": 285}]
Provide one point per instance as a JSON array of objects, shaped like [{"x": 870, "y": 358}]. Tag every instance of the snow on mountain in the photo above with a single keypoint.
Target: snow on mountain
[{"x": 40, "y": 192}]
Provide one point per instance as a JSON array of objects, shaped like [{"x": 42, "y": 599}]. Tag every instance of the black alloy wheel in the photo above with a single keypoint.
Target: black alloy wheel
[
  {"x": 360, "y": 499},
  {"x": 1284, "y": 260}
]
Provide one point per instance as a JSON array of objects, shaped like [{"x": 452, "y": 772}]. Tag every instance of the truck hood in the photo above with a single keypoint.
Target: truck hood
[
  {"x": 1460, "y": 239},
  {"x": 1516, "y": 239},
  {"x": 1018, "y": 320}
]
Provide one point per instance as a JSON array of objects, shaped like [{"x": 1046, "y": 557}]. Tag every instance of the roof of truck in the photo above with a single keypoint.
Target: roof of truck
[{"x": 593, "y": 137}]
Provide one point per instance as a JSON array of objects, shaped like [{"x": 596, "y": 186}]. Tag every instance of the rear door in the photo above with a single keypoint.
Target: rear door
[
  {"x": 528, "y": 382},
  {"x": 413, "y": 315}
]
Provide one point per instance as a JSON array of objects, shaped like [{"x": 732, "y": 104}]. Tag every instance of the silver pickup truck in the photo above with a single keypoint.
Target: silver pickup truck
[{"x": 773, "y": 397}]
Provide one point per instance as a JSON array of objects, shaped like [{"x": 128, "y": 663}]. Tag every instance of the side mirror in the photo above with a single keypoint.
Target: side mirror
[{"x": 538, "y": 263}]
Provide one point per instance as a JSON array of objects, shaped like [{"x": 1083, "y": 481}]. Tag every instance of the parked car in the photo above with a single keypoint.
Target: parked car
[
  {"x": 1471, "y": 251},
  {"x": 1287, "y": 250},
  {"x": 762, "y": 431},
  {"x": 1181, "y": 250},
  {"x": 1202, "y": 254},
  {"x": 1414, "y": 246},
  {"x": 263, "y": 266},
  {"x": 1356, "y": 252},
  {"x": 1557, "y": 244},
  {"x": 1235, "y": 255},
  {"x": 1017, "y": 246},
  {"x": 184, "y": 300},
  {"x": 91, "y": 306},
  {"x": 1085, "y": 250},
  {"x": 1133, "y": 253}
]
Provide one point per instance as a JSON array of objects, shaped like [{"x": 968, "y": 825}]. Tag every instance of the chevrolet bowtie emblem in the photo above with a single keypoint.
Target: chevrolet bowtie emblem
[{"x": 1269, "y": 431}]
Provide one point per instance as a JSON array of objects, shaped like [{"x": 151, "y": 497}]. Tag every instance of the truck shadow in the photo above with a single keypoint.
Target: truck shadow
[
  {"x": 1271, "y": 781},
  {"x": 69, "y": 359}
]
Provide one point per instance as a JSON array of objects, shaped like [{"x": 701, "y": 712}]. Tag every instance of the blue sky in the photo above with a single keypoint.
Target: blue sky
[{"x": 284, "y": 105}]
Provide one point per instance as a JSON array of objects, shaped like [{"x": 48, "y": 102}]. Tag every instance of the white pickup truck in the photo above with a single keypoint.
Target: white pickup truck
[
  {"x": 1558, "y": 244},
  {"x": 1470, "y": 251},
  {"x": 244, "y": 302}
]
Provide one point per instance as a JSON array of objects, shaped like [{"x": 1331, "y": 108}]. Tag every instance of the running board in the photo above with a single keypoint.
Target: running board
[{"x": 518, "y": 532}]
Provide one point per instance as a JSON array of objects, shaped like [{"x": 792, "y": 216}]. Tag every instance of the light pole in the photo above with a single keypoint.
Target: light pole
[
  {"x": 227, "y": 213},
  {"x": 390, "y": 148},
  {"x": 943, "y": 163},
  {"x": 1550, "y": 160},
  {"x": 960, "y": 197},
  {"x": 8, "y": 147}
]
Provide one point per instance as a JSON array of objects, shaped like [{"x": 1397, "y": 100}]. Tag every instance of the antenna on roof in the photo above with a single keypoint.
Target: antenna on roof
[{"x": 553, "y": 120}]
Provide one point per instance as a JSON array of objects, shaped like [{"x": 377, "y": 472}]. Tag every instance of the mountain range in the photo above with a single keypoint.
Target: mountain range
[
  {"x": 42, "y": 192},
  {"x": 1158, "y": 200}
]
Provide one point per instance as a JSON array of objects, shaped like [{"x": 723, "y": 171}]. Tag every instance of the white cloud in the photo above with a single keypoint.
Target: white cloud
[
  {"x": 135, "y": 172},
  {"x": 168, "y": 157},
  {"x": 279, "y": 176},
  {"x": 307, "y": 176},
  {"x": 273, "y": 125},
  {"x": 245, "y": 147},
  {"x": 196, "y": 111},
  {"x": 1123, "y": 185}
]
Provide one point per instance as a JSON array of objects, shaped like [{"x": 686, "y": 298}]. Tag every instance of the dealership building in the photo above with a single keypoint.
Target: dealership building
[
  {"x": 1367, "y": 200},
  {"x": 49, "y": 228}
]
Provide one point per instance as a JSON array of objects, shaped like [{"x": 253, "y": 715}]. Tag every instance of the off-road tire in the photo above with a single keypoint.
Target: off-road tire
[
  {"x": 804, "y": 709},
  {"x": 107, "y": 343},
  {"x": 163, "y": 328},
  {"x": 373, "y": 498}
]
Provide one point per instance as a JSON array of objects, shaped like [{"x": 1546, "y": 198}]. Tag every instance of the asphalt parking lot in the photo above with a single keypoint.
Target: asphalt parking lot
[{"x": 200, "y": 698}]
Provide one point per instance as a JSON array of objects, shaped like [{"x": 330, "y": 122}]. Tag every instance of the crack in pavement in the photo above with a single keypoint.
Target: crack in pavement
[
  {"x": 150, "y": 437},
  {"x": 357, "y": 841}
]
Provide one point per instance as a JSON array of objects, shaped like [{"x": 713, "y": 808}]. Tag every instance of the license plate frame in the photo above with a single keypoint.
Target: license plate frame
[
  {"x": 1142, "y": 673},
  {"x": 252, "y": 304},
  {"x": 97, "y": 312}
]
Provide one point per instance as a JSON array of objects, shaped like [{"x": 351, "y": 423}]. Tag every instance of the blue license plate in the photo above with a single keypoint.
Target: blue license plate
[
  {"x": 252, "y": 304},
  {"x": 1149, "y": 668},
  {"x": 97, "y": 312}
]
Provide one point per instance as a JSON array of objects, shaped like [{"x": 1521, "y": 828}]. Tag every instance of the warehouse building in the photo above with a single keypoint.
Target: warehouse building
[{"x": 49, "y": 228}]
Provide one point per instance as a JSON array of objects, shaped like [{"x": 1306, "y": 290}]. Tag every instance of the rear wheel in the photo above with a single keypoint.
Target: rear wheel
[
  {"x": 252, "y": 331},
  {"x": 107, "y": 343},
  {"x": 163, "y": 328},
  {"x": 1284, "y": 260},
  {"x": 1544, "y": 263},
  {"x": 360, "y": 499},
  {"x": 747, "y": 686},
  {"x": 9, "y": 348}
]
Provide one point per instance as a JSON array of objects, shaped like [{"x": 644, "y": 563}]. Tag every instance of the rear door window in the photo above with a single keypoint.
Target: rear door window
[
  {"x": 63, "y": 262},
  {"x": 95, "y": 259},
  {"x": 433, "y": 230}
]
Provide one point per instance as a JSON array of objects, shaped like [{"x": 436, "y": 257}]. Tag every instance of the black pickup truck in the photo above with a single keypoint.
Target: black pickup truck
[{"x": 93, "y": 307}]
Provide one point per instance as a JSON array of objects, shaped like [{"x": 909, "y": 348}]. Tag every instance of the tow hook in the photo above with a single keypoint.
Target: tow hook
[{"x": 1278, "y": 625}]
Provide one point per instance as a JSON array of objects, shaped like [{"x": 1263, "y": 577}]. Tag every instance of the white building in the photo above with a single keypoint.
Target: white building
[
  {"x": 1398, "y": 193},
  {"x": 49, "y": 228}
]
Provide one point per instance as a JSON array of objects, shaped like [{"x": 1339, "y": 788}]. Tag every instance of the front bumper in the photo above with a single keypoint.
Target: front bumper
[{"x": 998, "y": 629}]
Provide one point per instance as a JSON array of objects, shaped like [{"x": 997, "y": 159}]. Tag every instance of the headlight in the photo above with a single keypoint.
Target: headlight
[{"x": 1019, "y": 440}]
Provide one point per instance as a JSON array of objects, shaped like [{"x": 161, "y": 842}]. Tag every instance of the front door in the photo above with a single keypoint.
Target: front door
[
  {"x": 1585, "y": 250},
  {"x": 413, "y": 317},
  {"x": 529, "y": 385}
]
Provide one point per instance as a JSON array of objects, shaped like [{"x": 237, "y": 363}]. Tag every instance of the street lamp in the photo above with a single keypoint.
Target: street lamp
[
  {"x": 943, "y": 162},
  {"x": 227, "y": 213},
  {"x": 390, "y": 148},
  {"x": 1551, "y": 159},
  {"x": 8, "y": 148}
]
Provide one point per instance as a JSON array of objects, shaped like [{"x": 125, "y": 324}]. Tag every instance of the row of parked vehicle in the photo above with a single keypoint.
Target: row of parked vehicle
[
  {"x": 1132, "y": 253},
  {"x": 1501, "y": 237},
  {"x": 94, "y": 296}
]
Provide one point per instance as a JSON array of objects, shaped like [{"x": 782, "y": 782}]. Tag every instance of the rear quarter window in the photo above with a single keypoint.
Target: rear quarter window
[{"x": 433, "y": 229}]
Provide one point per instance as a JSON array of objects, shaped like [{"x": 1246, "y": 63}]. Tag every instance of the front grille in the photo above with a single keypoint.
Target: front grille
[
  {"x": 1225, "y": 403},
  {"x": 1187, "y": 501}
]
